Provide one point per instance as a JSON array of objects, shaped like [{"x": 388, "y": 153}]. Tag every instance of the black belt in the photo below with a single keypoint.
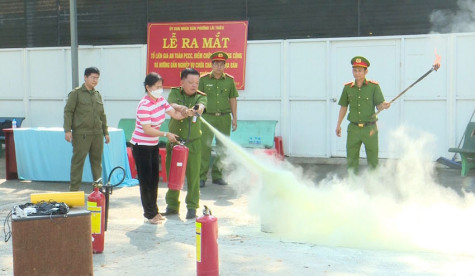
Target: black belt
[
  {"x": 217, "y": 113},
  {"x": 363, "y": 124}
]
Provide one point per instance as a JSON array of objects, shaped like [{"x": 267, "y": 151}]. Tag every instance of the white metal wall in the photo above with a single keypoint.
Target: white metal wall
[{"x": 297, "y": 82}]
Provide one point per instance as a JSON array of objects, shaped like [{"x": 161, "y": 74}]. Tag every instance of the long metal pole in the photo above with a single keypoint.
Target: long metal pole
[
  {"x": 74, "y": 43},
  {"x": 409, "y": 87},
  {"x": 414, "y": 83}
]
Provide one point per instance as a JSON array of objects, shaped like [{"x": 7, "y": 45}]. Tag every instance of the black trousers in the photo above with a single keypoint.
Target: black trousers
[{"x": 146, "y": 161}]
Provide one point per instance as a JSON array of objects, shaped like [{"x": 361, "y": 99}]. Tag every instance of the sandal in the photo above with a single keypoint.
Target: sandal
[
  {"x": 155, "y": 220},
  {"x": 160, "y": 217}
]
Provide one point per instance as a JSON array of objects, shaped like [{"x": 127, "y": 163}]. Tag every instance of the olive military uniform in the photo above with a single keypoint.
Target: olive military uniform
[
  {"x": 191, "y": 133},
  {"x": 84, "y": 116},
  {"x": 218, "y": 114},
  {"x": 362, "y": 128}
]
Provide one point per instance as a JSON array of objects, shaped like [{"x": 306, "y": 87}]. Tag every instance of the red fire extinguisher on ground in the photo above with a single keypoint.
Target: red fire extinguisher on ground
[
  {"x": 96, "y": 204},
  {"x": 207, "y": 261},
  {"x": 176, "y": 179}
]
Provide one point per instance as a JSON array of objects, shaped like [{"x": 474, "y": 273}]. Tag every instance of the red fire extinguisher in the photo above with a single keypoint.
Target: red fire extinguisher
[
  {"x": 178, "y": 167},
  {"x": 96, "y": 204},
  {"x": 207, "y": 261}
]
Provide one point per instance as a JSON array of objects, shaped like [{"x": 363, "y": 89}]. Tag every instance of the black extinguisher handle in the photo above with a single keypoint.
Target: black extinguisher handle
[{"x": 207, "y": 211}]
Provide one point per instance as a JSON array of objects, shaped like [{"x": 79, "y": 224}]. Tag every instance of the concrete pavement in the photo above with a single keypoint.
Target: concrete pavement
[{"x": 133, "y": 247}]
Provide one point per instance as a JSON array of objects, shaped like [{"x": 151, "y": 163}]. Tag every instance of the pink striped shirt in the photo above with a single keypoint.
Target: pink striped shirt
[{"x": 149, "y": 112}]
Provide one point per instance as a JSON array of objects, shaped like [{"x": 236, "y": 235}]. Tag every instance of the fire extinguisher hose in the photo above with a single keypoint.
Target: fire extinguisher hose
[
  {"x": 107, "y": 190},
  {"x": 110, "y": 176}
]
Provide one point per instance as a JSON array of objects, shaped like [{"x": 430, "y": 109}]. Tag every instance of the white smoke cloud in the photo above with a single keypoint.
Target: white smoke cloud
[
  {"x": 397, "y": 207},
  {"x": 462, "y": 20}
]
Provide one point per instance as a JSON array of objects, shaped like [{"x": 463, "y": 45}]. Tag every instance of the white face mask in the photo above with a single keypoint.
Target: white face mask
[{"x": 157, "y": 93}]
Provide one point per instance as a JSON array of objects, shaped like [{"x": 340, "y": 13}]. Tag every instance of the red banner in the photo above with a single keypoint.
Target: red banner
[{"x": 172, "y": 47}]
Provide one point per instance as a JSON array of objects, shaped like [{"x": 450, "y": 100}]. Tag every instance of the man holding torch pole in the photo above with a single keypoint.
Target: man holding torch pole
[{"x": 362, "y": 96}]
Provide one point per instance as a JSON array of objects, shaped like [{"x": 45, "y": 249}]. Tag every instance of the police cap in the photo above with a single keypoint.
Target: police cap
[
  {"x": 360, "y": 61},
  {"x": 219, "y": 56}
]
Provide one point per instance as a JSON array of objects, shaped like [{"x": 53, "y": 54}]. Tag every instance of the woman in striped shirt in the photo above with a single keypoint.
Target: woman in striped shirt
[{"x": 150, "y": 115}]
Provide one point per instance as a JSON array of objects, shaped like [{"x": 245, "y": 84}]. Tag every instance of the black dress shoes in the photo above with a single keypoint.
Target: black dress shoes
[
  {"x": 219, "y": 182},
  {"x": 169, "y": 212},
  {"x": 191, "y": 214},
  {"x": 202, "y": 183}
]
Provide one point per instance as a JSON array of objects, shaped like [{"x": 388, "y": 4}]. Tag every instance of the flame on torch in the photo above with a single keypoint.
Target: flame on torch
[{"x": 436, "y": 65}]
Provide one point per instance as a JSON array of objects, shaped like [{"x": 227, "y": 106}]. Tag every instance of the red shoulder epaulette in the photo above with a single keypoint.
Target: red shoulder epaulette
[
  {"x": 373, "y": 81},
  {"x": 348, "y": 83},
  {"x": 228, "y": 75},
  {"x": 201, "y": 93}
]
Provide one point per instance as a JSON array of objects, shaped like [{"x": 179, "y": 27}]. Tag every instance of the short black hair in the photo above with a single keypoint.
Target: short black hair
[
  {"x": 188, "y": 71},
  {"x": 91, "y": 70},
  {"x": 151, "y": 79}
]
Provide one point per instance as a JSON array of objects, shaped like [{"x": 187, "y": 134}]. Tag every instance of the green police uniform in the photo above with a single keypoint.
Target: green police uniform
[
  {"x": 191, "y": 133},
  {"x": 218, "y": 114},
  {"x": 362, "y": 127},
  {"x": 84, "y": 115}
]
